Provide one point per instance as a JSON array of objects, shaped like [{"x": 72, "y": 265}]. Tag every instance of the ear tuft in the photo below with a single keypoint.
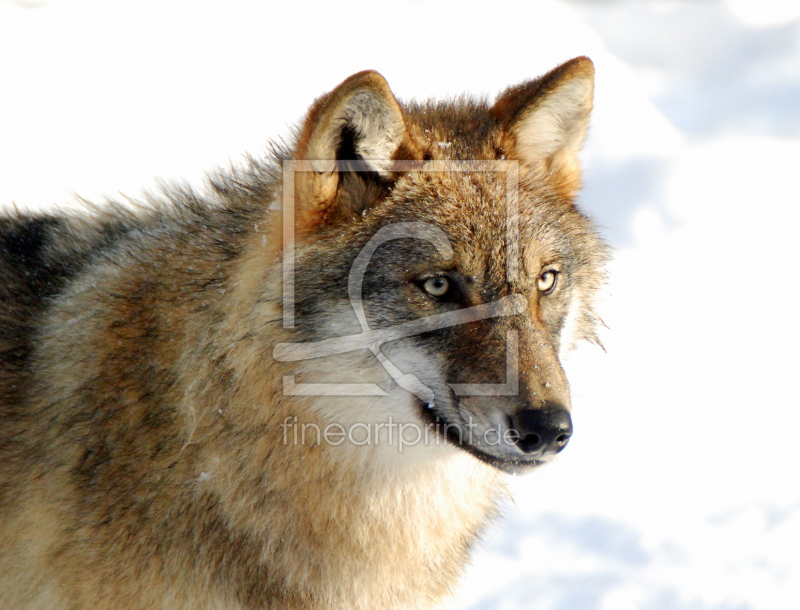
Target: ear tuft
[{"x": 547, "y": 119}]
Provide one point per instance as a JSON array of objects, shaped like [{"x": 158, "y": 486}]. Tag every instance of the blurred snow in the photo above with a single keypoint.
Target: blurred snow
[{"x": 680, "y": 489}]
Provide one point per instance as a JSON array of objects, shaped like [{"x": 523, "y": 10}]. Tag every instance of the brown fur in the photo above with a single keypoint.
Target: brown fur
[{"x": 142, "y": 459}]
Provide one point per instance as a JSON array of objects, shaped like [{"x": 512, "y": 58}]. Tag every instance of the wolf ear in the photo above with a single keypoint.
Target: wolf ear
[
  {"x": 349, "y": 137},
  {"x": 546, "y": 121}
]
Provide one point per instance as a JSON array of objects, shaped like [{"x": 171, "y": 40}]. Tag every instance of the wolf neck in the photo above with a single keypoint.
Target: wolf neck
[{"x": 336, "y": 536}]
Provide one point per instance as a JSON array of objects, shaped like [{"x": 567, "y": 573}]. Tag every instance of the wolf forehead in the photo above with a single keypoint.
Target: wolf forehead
[
  {"x": 481, "y": 209},
  {"x": 480, "y": 200},
  {"x": 461, "y": 128}
]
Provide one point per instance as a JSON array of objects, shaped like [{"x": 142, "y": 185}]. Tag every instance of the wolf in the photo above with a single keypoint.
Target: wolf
[{"x": 304, "y": 386}]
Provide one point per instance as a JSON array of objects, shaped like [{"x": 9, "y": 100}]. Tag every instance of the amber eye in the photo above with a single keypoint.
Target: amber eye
[
  {"x": 436, "y": 286},
  {"x": 547, "y": 281}
]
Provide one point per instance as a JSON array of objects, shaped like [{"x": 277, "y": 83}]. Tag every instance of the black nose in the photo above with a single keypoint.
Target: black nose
[{"x": 544, "y": 431}]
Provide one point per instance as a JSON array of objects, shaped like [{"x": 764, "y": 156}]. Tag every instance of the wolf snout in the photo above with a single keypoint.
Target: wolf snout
[{"x": 541, "y": 432}]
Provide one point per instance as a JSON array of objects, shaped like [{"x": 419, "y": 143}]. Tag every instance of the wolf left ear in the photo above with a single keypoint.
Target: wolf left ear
[
  {"x": 349, "y": 137},
  {"x": 546, "y": 121}
]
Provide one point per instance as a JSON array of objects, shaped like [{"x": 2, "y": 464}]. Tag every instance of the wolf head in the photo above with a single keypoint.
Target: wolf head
[{"x": 481, "y": 271}]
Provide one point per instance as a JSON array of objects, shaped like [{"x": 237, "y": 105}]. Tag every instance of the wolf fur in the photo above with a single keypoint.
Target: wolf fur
[{"x": 149, "y": 456}]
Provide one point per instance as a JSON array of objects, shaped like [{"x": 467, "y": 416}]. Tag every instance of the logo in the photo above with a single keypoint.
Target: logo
[{"x": 373, "y": 340}]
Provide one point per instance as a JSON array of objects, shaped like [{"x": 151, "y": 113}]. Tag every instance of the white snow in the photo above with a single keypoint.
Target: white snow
[{"x": 681, "y": 487}]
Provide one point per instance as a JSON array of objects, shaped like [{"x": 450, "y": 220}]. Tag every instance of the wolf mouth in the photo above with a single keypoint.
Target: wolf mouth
[
  {"x": 511, "y": 466},
  {"x": 454, "y": 434}
]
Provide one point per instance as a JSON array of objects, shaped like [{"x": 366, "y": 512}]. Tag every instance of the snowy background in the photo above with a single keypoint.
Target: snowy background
[{"x": 681, "y": 488}]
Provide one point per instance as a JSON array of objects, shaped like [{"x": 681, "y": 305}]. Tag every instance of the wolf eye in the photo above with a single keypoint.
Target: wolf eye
[
  {"x": 547, "y": 281},
  {"x": 436, "y": 286}
]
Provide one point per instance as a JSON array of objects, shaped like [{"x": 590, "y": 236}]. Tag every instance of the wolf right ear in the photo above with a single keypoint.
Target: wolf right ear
[
  {"x": 546, "y": 120},
  {"x": 349, "y": 138}
]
